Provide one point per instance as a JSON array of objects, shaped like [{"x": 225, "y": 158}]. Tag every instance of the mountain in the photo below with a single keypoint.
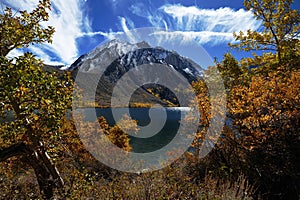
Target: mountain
[{"x": 114, "y": 59}]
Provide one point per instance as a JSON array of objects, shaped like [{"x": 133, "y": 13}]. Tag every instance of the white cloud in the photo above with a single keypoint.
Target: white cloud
[
  {"x": 155, "y": 18},
  {"x": 20, "y": 5},
  {"x": 186, "y": 37},
  {"x": 42, "y": 54},
  {"x": 15, "y": 53},
  {"x": 127, "y": 31},
  {"x": 190, "y": 24},
  {"x": 69, "y": 22},
  {"x": 217, "y": 20},
  {"x": 140, "y": 9}
]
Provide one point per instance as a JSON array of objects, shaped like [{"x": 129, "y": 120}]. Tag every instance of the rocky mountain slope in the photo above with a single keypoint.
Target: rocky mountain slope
[{"x": 114, "y": 59}]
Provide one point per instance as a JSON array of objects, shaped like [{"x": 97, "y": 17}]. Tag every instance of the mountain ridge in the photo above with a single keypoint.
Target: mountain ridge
[{"x": 115, "y": 58}]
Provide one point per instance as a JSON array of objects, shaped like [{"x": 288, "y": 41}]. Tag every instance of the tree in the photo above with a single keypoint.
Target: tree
[
  {"x": 265, "y": 126},
  {"x": 280, "y": 30},
  {"x": 21, "y": 31},
  {"x": 261, "y": 136},
  {"x": 36, "y": 99},
  {"x": 232, "y": 73}
]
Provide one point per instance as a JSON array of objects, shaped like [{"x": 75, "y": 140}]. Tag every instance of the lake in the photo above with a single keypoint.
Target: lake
[{"x": 158, "y": 126}]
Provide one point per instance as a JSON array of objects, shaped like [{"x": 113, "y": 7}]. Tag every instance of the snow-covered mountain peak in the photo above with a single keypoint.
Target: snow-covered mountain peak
[
  {"x": 106, "y": 54},
  {"x": 117, "y": 55}
]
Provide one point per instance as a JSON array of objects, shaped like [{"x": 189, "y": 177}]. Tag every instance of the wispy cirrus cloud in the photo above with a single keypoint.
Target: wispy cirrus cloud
[
  {"x": 125, "y": 24},
  {"x": 216, "y": 20},
  {"x": 200, "y": 37},
  {"x": 69, "y": 21},
  {"x": 193, "y": 24}
]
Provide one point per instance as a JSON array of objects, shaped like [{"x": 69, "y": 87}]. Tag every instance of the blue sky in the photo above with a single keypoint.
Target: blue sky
[{"x": 81, "y": 25}]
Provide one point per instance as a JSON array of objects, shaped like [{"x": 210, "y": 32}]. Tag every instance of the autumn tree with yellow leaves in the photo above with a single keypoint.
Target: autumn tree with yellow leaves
[
  {"x": 32, "y": 101},
  {"x": 261, "y": 137},
  {"x": 280, "y": 28}
]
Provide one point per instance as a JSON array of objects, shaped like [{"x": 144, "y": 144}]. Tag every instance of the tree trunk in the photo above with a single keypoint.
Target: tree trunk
[{"x": 47, "y": 175}]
